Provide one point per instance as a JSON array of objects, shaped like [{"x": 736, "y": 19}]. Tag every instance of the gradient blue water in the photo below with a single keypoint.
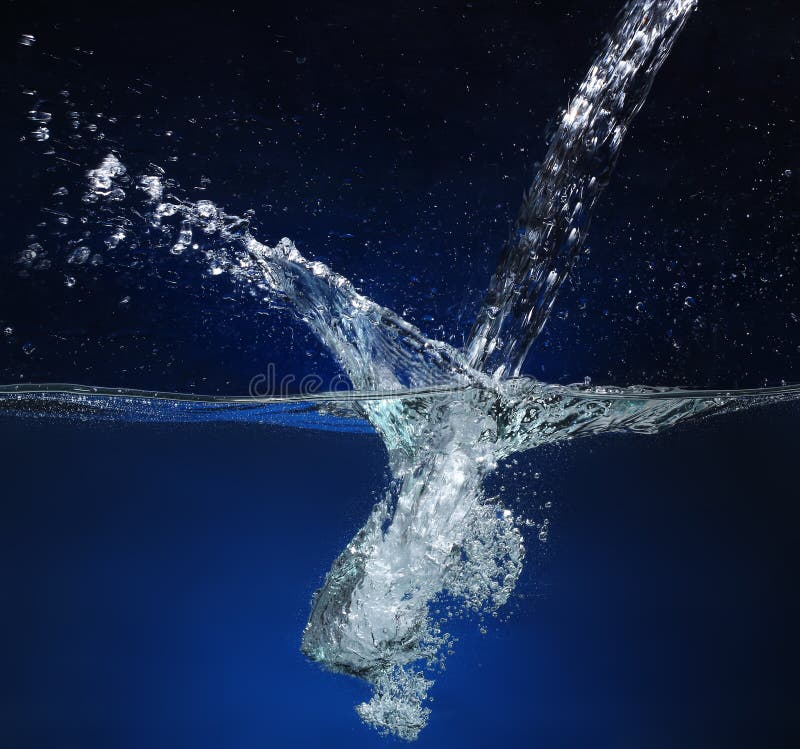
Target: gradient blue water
[{"x": 155, "y": 581}]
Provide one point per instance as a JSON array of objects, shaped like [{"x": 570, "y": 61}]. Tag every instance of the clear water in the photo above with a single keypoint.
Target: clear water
[{"x": 437, "y": 540}]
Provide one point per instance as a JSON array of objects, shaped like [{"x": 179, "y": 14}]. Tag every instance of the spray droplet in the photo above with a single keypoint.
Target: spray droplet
[{"x": 79, "y": 255}]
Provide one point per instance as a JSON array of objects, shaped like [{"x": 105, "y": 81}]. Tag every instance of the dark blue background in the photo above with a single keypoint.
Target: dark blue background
[
  {"x": 155, "y": 580},
  {"x": 394, "y": 142}
]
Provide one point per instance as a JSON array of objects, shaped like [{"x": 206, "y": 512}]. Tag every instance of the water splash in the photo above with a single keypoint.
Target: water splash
[{"x": 446, "y": 416}]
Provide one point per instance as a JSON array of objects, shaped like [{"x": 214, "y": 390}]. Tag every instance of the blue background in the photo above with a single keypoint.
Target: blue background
[{"x": 154, "y": 580}]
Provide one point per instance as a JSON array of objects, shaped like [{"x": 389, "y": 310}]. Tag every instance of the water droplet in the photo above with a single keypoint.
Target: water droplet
[
  {"x": 113, "y": 241},
  {"x": 27, "y": 40},
  {"x": 206, "y": 209},
  {"x": 79, "y": 255},
  {"x": 184, "y": 238},
  {"x": 69, "y": 281},
  {"x": 28, "y": 348},
  {"x": 8, "y": 330},
  {"x": 166, "y": 210},
  {"x": 41, "y": 134},
  {"x": 30, "y": 253},
  {"x": 100, "y": 179},
  {"x": 152, "y": 185},
  {"x": 689, "y": 301},
  {"x": 640, "y": 306}
]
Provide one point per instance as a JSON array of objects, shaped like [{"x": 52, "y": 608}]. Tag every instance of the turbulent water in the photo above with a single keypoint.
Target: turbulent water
[{"x": 446, "y": 416}]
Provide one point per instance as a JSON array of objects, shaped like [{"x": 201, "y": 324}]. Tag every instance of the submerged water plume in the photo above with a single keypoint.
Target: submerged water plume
[
  {"x": 446, "y": 416},
  {"x": 371, "y": 616}
]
